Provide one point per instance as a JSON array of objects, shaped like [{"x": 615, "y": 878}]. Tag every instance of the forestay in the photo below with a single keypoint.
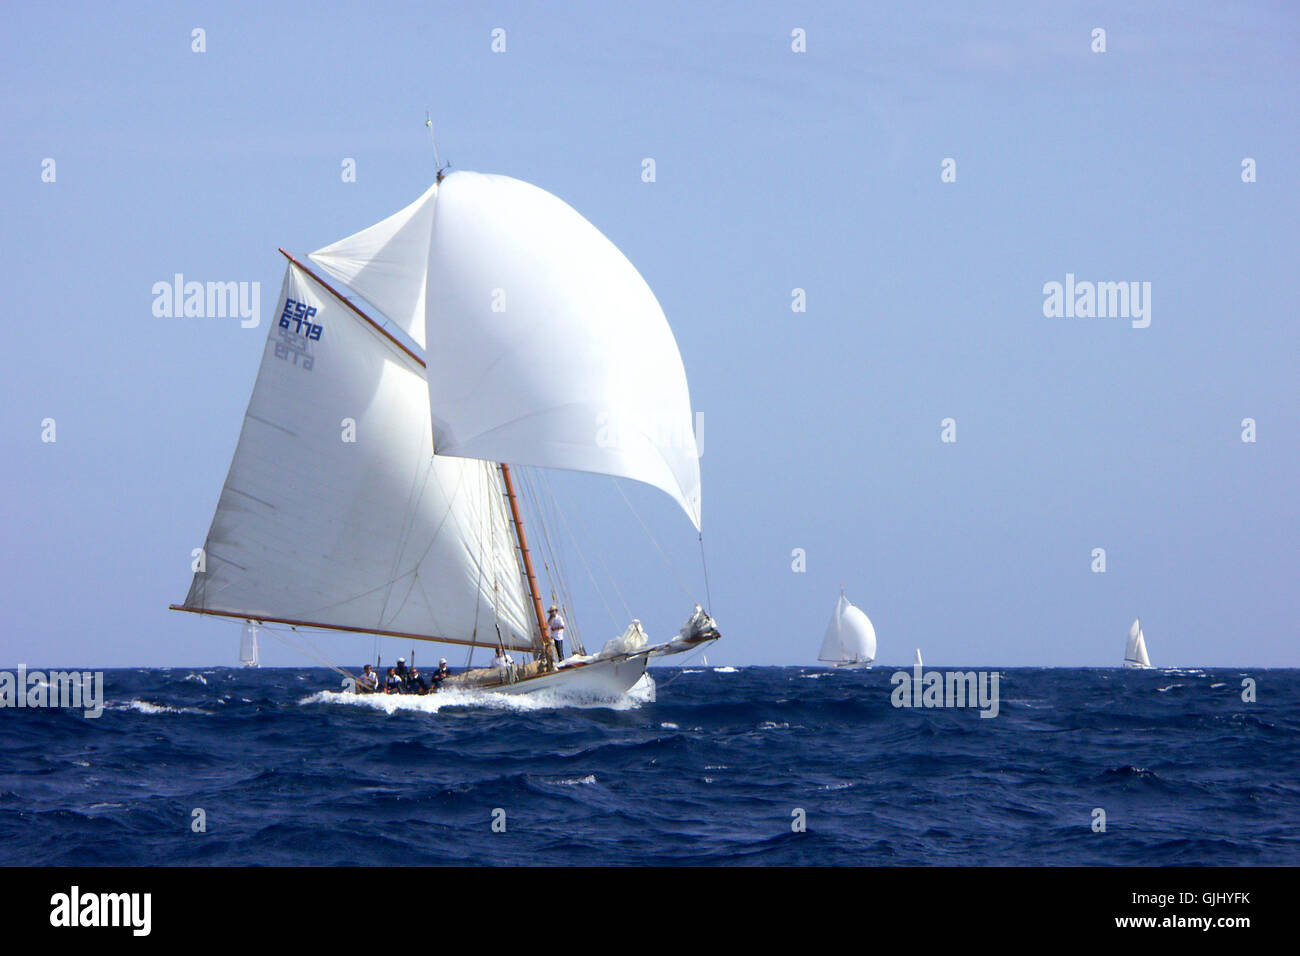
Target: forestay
[{"x": 335, "y": 510}]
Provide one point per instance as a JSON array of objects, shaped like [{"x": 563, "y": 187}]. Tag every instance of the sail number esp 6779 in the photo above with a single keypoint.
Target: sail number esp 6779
[{"x": 300, "y": 314}]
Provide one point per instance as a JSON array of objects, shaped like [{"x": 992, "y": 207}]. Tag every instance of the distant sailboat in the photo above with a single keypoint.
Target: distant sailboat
[
  {"x": 248, "y": 646},
  {"x": 411, "y": 527},
  {"x": 1135, "y": 652},
  {"x": 850, "y": 639},
  {"x": 917, "y": 661}
]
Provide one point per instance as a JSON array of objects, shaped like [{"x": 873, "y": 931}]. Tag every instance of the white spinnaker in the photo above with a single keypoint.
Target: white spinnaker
[
  {"x": 386, "y": 263},
  {"x": 850, "y": 636},
  {"x": 376, "y": 533},
  {"x": 546, "y": 346}
]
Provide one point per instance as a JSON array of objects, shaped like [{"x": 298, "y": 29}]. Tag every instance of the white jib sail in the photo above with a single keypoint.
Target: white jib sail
[
  {"x": 1135, "y": 651},
  {"x": 850, "y": 637},
  {"x": 545, "y": 345},
  {"x": 386, "y": 263},
  {"x": 335, "y": 510},
  {"x": 917, "y": 660}
]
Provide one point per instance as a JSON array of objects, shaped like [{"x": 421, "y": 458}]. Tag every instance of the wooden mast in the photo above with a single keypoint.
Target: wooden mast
[{"x": 548, "y": 646}]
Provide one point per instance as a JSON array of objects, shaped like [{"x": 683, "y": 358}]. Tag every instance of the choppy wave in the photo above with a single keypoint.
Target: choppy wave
[{"x": 705, "y": 771}]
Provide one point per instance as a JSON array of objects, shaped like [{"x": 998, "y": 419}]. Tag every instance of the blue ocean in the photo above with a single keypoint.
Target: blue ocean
[{"x": 751, "y": 766}]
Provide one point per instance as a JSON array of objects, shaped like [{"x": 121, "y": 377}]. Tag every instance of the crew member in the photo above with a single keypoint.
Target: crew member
[{"x": 555, "y": 621}]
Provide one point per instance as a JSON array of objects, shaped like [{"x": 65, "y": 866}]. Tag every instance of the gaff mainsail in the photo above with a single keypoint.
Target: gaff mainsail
[{"x": 336, "y": 513}]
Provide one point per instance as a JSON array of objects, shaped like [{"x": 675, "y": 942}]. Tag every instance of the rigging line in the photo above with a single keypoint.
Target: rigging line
[
  {"x": 567, "y": 596},
  {"x": 544, "y": 501},
  {"x": 414, "y": 573},
  {"x": 646, "y": 529},
  {"x": 699, "y": 650},
  {"x": 555, "y": 570},
  {"x": 309, "y": 650},
  {"x": 419, "y": 482},
  {"x": 478, "y": 588},
  {"x": 587, "y": 567},
  {"x": 708, "y": 596},
  {"x": 614, "y": 582}
]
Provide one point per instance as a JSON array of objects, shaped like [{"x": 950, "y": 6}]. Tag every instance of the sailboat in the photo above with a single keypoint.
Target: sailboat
[
  {"x": 370, "y": 491},
  {"x": 1135, "y": 651},
  {"x": 916, "y": 661},
  {"x": 850, "y": 640},
  {"x": 248, "y": 647}
]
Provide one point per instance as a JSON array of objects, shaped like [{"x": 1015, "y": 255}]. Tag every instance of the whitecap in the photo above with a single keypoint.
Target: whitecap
[
  {"x": 146, "y": 707},
  {"x": 642, "y": 692}
]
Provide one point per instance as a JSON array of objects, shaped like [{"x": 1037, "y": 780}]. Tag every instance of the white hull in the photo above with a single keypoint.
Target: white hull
[
  {"x": 853, "y": 665},
  {"x": 601, "y": 680},
  {"x": 1136, "y": 666}
]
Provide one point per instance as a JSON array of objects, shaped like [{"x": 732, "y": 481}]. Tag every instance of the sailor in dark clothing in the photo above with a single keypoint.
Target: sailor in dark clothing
[
  {"x": 392, "y": 683},
  {"x": 440, "y": 675},
  {"x": 415, "y": 684}
]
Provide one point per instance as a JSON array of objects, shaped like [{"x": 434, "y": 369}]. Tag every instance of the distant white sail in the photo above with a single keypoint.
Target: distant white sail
[
  {"x": 248, "y": 646},
  {"x": 917, "y": 661},
  {"x": 1135, "y": 651},
  {"x": 335, "y": 511},
  {"x": 850, "y": 637},
  {"x": 545, "y": 346}
]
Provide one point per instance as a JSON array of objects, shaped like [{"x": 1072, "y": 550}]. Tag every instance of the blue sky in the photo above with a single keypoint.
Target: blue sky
[{"x": 775, "y": 170}]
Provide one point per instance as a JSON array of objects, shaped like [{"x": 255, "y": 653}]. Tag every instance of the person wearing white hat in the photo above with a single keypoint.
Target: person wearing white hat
[
  {"x": 555, "y": 621},
  {"x": 440, "y": 675}
]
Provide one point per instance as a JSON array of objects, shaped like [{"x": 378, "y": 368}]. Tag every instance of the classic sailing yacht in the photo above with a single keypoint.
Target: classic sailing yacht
[
  {"x": 1135, "y": 651},
  {"x": 850, "y": 640},
  {"x": 369, "y": 491},
  {"x": 248, "y": 646}
]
